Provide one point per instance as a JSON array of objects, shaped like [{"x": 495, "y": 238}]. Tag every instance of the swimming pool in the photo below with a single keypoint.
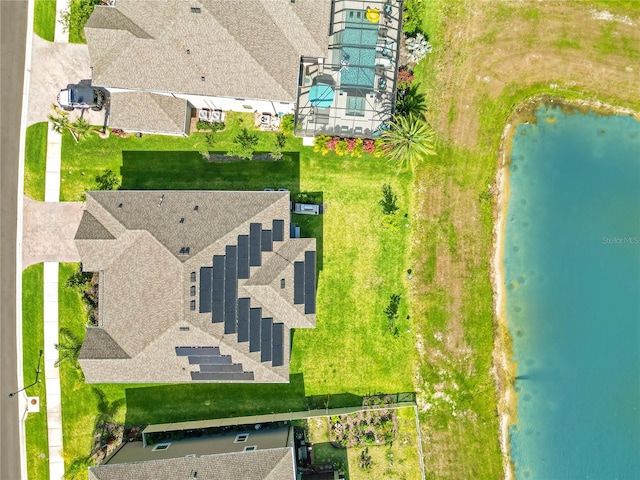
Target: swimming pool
[{"x": 358, "y": 39}]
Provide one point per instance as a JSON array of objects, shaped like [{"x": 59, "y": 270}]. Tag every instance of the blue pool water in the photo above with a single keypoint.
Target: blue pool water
[
  {"x": 572, "y": 275},
  {"x": 358, "y": 39}
]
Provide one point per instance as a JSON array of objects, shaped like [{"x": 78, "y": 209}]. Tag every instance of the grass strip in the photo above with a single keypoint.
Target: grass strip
[
  {"x": 35, "y": 160},
  {"x": 44, "y": 19},
  {"x": 32, "y": 344}
]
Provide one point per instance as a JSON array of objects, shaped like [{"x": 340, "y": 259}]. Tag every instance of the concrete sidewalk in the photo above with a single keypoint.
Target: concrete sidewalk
[{"x": 51, "y": 372}]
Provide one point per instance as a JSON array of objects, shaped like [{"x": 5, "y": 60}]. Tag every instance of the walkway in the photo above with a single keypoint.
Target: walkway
[{"x": 51, "y": 372}]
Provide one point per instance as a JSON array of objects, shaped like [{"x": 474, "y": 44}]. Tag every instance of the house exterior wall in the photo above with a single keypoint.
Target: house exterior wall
[{"x": 246, "y": 105}]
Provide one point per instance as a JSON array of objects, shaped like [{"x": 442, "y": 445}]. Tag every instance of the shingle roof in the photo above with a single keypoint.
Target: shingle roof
[
  {"x": 247, "y": 49},
  {"x": 271, "y": 464},
  {"x": 148, "y": 112},
  {"x": 157, "y": 253}
]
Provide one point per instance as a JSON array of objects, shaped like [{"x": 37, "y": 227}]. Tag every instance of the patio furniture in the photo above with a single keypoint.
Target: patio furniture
[{"x": 357, "y": 131}]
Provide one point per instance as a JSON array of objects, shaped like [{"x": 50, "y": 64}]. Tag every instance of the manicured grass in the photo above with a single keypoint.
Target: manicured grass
[
  {"x": 32, "y": 344},
  {"x": 349, "y": 354},
  {"x": 44, "y": 20},
  {"x": 176, "y": 156},
  {"x": 35, "y": 160}
]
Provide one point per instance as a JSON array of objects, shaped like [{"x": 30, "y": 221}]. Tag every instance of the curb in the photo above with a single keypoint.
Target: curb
[{"x": 21, "y": 155}]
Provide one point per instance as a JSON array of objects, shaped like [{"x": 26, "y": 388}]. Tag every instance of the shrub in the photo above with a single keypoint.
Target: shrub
[
  {"x": 388, "y": 201},
  {"x": 414, "y": 12},
  {"x": 417, "y": 48},
  {"x": 75, "y": 18},
  {"x": 364, "y": 460},
  {"x": 287, "y": 123},
  {"x": 341, "y": 147},
  {"x": 245, "y": 144},
  {"x": 392, "y": 314},
  {"x": 279, "y": 143},
  {"x": 107, "y": 181},
  {"x": 320, "y": 144},
  {"x": 405, "y": 78}
]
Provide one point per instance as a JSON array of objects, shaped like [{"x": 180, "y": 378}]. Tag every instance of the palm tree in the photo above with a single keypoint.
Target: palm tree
[
  {"x": 411, "y": 102},
  {"x": 408, "y": 141},
  {"x": 68, "y": 348},
  {"x": 80, "y": 129},
  {"x": 59, "y": 121}
]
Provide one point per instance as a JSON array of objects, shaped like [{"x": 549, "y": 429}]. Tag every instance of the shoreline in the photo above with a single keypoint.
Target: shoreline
[{"x": 504, "y": 365}]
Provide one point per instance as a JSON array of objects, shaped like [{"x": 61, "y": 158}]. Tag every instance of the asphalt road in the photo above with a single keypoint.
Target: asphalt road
[{"x": 13, "y": 31}]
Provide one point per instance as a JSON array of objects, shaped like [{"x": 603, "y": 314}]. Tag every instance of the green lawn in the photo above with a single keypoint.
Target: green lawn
[
  {"x": 161, "y": 157},
  {"x": 349, "y": 354},
  {"x": 32, "y": 344},
  {"x": 35, "y": 160},
  {"x": 44, "y": 20}
]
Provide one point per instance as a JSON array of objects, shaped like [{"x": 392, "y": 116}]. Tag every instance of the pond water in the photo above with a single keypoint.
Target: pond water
[{"x": 572, "y": 279}]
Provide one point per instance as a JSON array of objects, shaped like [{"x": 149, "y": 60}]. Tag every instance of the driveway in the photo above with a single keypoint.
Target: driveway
[
  {"x": 53, "y": 67},
  {"x": 48, "y": 231}
]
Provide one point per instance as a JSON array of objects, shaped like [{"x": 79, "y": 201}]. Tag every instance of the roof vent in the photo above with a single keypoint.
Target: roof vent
[
  {"x": 188, "y": 51},
  {"x": 185, "y": 250},
  {"x": 161, "y": 199},
  {"x": 202, "y": 78},
  {"x": 196, "y": 208},
  {"x": 195, "y": 10},
  {"x": 182, "y": 220},
  {"x": 119, "y": 205}
]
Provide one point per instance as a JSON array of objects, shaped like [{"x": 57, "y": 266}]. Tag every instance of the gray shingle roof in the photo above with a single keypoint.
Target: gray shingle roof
[
  {"x": 149, "y": 285},
  {"x": 149, "y": 112},
  {"x": 247, "y": 49},
  {"x": 271, "y": 464}
]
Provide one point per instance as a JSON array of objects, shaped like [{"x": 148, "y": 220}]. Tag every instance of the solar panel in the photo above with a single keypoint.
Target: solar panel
[
  {"x": 243, "y": 320},
  {"x": 195, "y": 351},
  {"x": 267, "y": 245},
  {"x": 298, "y": 282},
  {"x": 243, "y": 256},
  {"x": 254, "y": 329},
  {"x": 255, "y": 237},
  {"x": 233, "y": 368},
  {"x": 278, "y": 230},
  {"x": 243, "y": 376},
  {"x": 212, "y": 360},
  {"x": 230, "y": 289},
  {"x": 205, "y": 289},
  {"x": 267, "y": 324},
  {"x": 223, "y": 377},
  {"x": 218, "y": 289},
  {"x": 310, "y": 282},
  {"x": 277, "y": 353}
]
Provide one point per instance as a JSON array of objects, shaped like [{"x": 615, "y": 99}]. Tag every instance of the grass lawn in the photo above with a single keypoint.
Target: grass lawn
[
  {"x": 44, "y": 19},
  {"x": 33, "y": 342},
  {"x": 35, "y": 160},
  {"x": 399, "y": 460},
  {"x": 349, "y": 354}
]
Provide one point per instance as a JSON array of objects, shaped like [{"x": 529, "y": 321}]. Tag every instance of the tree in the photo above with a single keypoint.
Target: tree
[
  {"x": 411, "y": 102},
  {"x": 80, "y": 129},
  {"x": 59, "y": 121},
  {"x": 388, "y": 201},
  {"x": 75, "y": 17},
  {"x": 68, "y": 348},
  {"x": 408, "y": 141},
  {"x": 245, "y": 144},
  {"x": 107, "y": 181},
  {"x": 279, "y": 143}
]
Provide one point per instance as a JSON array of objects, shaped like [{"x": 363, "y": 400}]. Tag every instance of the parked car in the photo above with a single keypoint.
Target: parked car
[{"x": 81, "y": 96}]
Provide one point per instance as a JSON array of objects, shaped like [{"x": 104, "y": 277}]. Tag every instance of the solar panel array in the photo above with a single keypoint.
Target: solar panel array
[
  {"x": 304, "y": 282},
  {"x": 219, "y": 296},
  {"x": 213, "y": 365}
]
